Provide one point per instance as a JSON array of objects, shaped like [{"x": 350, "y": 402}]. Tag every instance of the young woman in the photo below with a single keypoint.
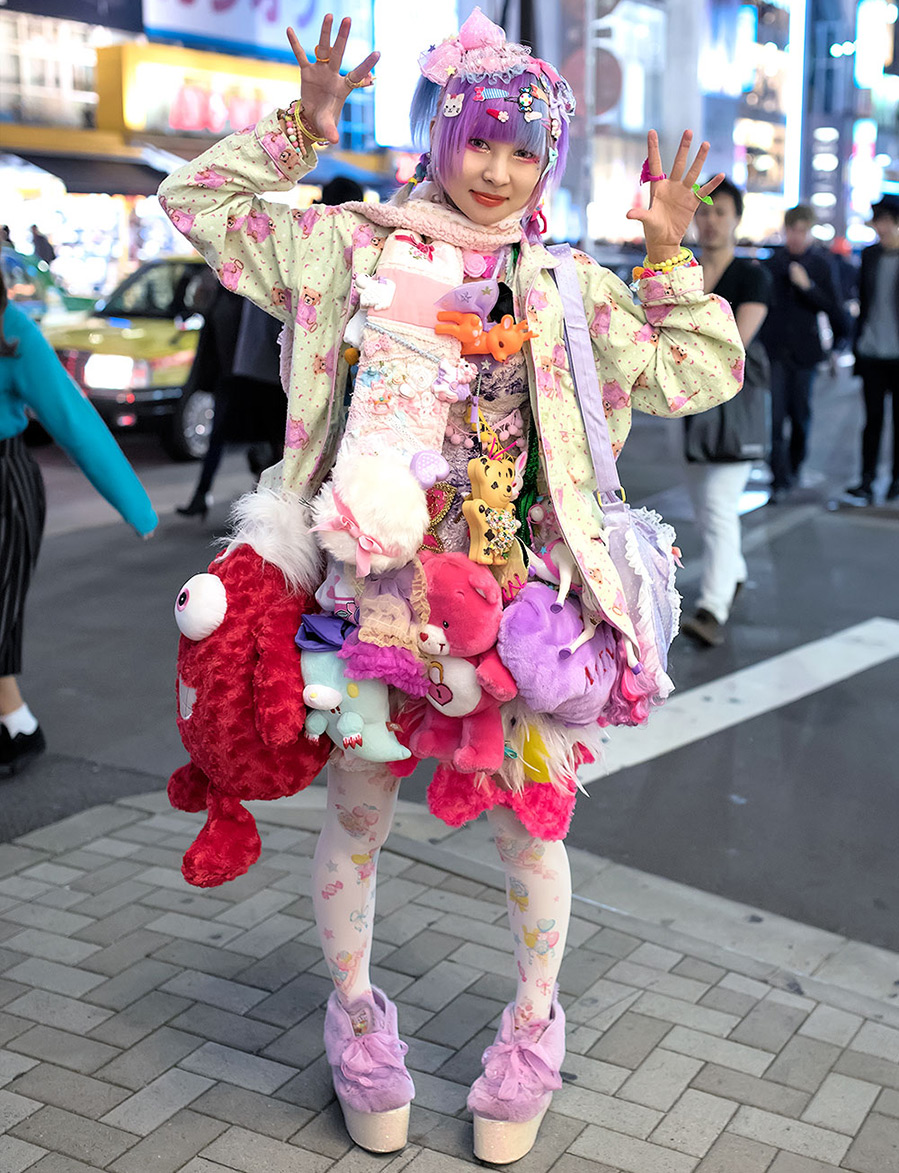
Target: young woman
[
  {"x": 31, "y": 376},
  {"x": 497, "y": 120}
]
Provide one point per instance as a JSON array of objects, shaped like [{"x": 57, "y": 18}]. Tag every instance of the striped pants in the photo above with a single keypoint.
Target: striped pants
[{"x": 22, "y": 509}]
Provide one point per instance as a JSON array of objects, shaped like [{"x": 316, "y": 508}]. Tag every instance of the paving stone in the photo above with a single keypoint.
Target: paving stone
[
  {"x": 239, "y": 1106},
  {"x": 702, "y": 971},
  {"x": 9, "y": 991},
  {"x": 460, "y": 1020},
  {"x": 187, "y": 901},
  {"x": 868, "y": 1068},
  {"x": 499, "y": 987},
  {"x": 421, "y": 873},
  {"x": 302, "y": 1044},
  {"x": 63, "y": 898},
  {"x": 294, "y": 1001},
  {"x": 841, "y": 1103},
  {"x": 278, "y": 967},
  {"x": 136, "y": 981},
  {"x": 68, "y": 1050},
  {"x": 789, "y": 997},
  {"x": 660, "y": 1080},
  {"x": 153, "y": 1055},
  {"x": 57, "y": 1163},
  {"x": 49, "y": 1009},
  {"x": 830, "y": 1025},
  {"x": 568, "y": 1163},
  {"x": 21, "y": 889},
  {"x": 736, "y": 1154},
  {"x": 440, "y": 1095},
  {"x": 806, "y": 1140},
  {"x": 614, "y": 943},
  {"x": 406, "y": 922},
  {"x": 203, "y": 987},
  {"x": 630, "y": 1040},
  {"x": 117, "y": 956},
  {"x": 591, "y": 1073},
  {"x": 628, "y": 1153},
  {"x": 193, "y": 928},
  {"x": 248, "y": 1152},
  {"x": 464, "y": 1066},
  {"x": 219, "y": 1026},
  {"x": 11, "y": 1027},
  {"x": 274, "y": 932},
  {"x": 581, "y": 969},
  {"x": 175, "y": 1141},
  {"x": 205, "y": 958},
  {"x": 424, "y": 1056},
  {"x": 118, "y": 925},
  {"x": 790, "y": 1163},
  {"x": 233, "y": 1066},
  {"x": 52, "y": 873},
  {"x": 631, "y": 973},
  {"x": 112, "y": 900},
  {"x": 15, "y": 856},
  {"x": 747, "y": 1089},
  {"x": 437, "y": 989},
  {"x": 74, "y": 1136},
  {"x": 769, "y": 1026},
  {"x": 594, "y": 1108},
  {"x": 391, "y": 982},
  {"x": 876, "y": 1148},
  {"x": 76, "y": 830},
  {"x": 715, "y": 1050},
  {"x": 880, "y": 1041},
  {"x": 18, "y": 1155},
  {"x": 106, "y": 877},
  {"x": 744, "y": 985},
  {"x": 887, "y": 1102},
  {"x": 50, "y": 975},
  {"x": 13, "y": 1065},
  {"x": 429, "y": 1162},
  {"x": 255, "y": 909},
  {"x": 15, "y": 1108},
  {"x": 68, "y": 1089},
  {"x": 419, "y": 955},
  {"x": 310, "y": 1089},
  {"x": 359, "y": 1161},
  {"x": 106, "y": 845},
  {"x": 139, "y": 1019},
  {"x": 326, "y": 1134},
  {"x": 803, "y": 1063},
  {"x": 51, "y": 946},
  {"x": 150, "y": 1107},
  {"x": 728, "y": 1001},
  {"x": 694, "y": 1123}
]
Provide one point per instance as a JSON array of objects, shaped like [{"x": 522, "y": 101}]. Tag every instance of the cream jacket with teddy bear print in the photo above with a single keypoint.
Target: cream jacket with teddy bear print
[{"x": 676, "y": 353}]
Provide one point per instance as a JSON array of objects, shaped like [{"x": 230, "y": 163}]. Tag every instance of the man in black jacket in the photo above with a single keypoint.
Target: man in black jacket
[
  {"x": 804, "y": 284},
  {"x": 877, "y": 346}
]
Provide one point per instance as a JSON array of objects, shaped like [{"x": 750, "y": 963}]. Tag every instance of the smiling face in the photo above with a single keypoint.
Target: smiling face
[{"x": 493, "y": 180}]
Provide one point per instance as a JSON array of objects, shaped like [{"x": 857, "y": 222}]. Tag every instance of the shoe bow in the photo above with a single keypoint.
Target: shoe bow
[
  {"x": 520, "y": 1065},
  {"x": 369, "y": 1052}
]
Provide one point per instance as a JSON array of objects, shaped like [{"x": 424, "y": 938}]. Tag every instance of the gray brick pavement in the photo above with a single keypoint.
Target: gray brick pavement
[{"x": 148, "y": 1026}]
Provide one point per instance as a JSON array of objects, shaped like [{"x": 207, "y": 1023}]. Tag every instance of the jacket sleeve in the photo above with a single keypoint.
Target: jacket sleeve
[
  {"x": 256, "y": 246},
  {"x": 675, "y": 352},
  {"x": 824, "y": 296},
  {"x": 43, "y": 384}
]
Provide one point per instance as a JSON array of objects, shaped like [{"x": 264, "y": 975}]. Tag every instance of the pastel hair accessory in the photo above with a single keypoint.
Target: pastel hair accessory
[
  {"x": 485, "y": 93},
  {"x": 452, "y": 106},
  {"x": 646, "y": 175},
  {"x": 499, "y": 115},
  {"x": 429, "y": 467},
  {"x": 707, "y": 199}
]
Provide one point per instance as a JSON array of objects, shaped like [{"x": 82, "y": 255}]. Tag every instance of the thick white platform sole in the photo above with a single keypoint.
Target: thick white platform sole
[
  {"x": 499, "y": 1142},
  {"x": 379, "y": 1132}
]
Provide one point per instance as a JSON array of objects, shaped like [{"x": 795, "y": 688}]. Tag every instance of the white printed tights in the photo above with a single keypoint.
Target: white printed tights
[{"x": 361, "y": 804}]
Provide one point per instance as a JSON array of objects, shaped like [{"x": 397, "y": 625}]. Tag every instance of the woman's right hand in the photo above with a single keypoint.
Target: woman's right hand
[{"x": 323, "y": 89}]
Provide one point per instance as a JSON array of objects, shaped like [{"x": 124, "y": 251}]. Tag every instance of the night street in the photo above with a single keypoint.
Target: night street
[{"x": 792, "y": 809}]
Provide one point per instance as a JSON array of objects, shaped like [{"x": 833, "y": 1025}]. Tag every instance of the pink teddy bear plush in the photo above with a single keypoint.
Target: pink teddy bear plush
[{"x": 461, "y": 723}]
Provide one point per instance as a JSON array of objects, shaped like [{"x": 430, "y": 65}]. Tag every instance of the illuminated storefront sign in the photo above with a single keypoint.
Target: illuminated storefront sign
[
  {"x": 257, "y": 25},
  {"x": 160, "y": 90}
]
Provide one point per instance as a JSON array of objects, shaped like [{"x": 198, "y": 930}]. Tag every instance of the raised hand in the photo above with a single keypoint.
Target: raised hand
[
  {"x": 323, "y": 88},
  {"x": 672, "y": 201}
]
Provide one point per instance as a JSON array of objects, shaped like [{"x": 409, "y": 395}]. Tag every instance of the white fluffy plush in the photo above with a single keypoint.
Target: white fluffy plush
[
  {"x": 276, "y": 525},
  {"x": 386, "y": 501}
]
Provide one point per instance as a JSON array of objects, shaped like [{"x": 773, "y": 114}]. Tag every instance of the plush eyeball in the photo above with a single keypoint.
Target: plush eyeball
[{"x": 201, "y": 606}]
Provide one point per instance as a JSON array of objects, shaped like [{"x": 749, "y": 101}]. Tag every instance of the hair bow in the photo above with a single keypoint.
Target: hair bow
[{"x": 344, "y": 521}]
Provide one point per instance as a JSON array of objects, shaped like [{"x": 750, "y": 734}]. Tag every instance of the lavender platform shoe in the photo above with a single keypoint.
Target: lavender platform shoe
[
  {"x": 521, "y": 1072},
  {"x": 370, "y": 1077}
]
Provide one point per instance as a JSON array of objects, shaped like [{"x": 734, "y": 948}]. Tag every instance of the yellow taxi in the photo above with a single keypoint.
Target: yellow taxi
[{"x": 132, "y": 353}]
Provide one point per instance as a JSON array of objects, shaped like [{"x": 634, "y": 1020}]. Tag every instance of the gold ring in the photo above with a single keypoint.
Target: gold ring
[
  {"x": 322, "y": 60},
  {"x": 355, "y": 85}
]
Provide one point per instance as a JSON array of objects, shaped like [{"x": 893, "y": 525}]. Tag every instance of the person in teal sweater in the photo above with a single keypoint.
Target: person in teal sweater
[{"x": 32, "y": 377}]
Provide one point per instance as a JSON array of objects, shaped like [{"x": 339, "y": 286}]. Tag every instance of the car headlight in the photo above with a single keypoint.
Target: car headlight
[{"x": 108, "y": 371}]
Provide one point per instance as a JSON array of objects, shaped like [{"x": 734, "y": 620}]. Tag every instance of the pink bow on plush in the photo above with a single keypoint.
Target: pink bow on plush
[
  {"x": 344, "y": 521},
  {"x": 366, "y": 1053},
  {"x": 426, "y": 250},
  {"x": 522, "y": 1064}
]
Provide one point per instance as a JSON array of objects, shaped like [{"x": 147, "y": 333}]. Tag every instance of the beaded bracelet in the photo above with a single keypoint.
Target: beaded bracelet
[
  {"x": 294, "y": 121},
  {"x": 681, "y": 260}
]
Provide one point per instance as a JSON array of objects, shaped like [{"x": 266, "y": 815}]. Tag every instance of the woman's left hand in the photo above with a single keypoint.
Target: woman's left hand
[{"x": 672, "y": 201}]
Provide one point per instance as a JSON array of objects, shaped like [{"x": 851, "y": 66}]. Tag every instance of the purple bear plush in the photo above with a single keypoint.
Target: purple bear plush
[{"x": 573, "y": 688}]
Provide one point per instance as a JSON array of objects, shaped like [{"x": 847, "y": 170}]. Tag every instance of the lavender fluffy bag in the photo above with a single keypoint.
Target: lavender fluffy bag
[{"x": 575, "y": 689}]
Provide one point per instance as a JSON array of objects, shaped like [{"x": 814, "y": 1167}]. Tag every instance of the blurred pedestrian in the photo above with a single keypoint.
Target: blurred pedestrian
[
  {"x": 5, "y": 237},
  {"x": 42, "y": 247},
  {"x": 32, "y": 377},
  {"x": 877, "y": 346},
  {"x": 805, "y": 284},
  {"x": 721, "y": 444},
  {"x": 341, "y": 190}
]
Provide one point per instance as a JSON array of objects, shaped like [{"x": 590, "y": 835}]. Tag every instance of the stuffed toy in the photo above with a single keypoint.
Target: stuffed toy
[
  {"x": 534, "y": 633},
  {"x": 489, "y": 509},
  {"x": 240, "y": 686},
  {"x": 462, "y": 722}
]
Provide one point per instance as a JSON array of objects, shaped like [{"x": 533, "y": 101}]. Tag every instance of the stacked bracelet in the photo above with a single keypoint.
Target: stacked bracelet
[
  {"x": 297, "y": 129},
  {"x": 681, "y": 260}
]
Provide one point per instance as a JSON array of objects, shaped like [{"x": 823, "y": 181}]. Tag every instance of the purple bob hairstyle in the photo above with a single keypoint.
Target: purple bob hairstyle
[{"x": 450, "y": 135}]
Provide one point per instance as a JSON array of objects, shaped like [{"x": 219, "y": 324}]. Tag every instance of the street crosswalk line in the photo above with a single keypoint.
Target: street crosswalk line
[{"x": 748, "y": 693}]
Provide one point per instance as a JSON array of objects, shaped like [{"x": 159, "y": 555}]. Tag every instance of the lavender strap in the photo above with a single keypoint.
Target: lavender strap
[{"x": 583, "y": 373}]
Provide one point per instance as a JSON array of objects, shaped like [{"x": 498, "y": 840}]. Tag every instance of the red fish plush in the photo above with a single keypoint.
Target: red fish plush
[{"x": 239, "y": 687}]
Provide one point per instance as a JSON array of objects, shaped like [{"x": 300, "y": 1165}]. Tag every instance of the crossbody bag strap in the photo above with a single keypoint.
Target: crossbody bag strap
[{"x": 583, "y": 373}]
